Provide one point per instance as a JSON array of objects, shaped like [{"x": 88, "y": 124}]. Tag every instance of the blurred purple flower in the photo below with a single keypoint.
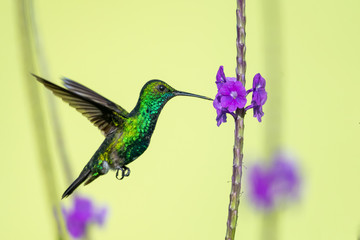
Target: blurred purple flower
[
  {"x": 81, "y": 215},
  {"x": 270, "y": 185},
  {"x": 259, "y": 96}
]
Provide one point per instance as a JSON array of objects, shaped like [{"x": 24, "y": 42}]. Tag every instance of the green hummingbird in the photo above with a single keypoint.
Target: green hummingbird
[{"x": 127, "y": 135}]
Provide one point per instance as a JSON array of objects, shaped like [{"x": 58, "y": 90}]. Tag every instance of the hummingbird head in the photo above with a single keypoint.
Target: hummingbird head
[
  {"x": 155, "y": 93},
  {"x": 157, "y": 90}
]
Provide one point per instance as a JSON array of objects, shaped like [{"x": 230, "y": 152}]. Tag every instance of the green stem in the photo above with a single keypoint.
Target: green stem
[
  {"x": 239, "y": 125},
  {"x": 273, "y": 56},
  {"x": 40, "y": 133},
  {"x": 240, "y": 41},
  {"x": 54, "y": 115},
  {"x": 269, "y": 226},
  {"x": 236, "y": 177}
]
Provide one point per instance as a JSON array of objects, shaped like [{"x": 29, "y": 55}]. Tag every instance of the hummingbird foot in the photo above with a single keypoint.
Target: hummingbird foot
[{"x": 125, "y": 172}]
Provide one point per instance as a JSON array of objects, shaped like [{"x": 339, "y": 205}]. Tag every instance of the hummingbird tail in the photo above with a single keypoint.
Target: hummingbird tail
[{"x": 82, "y": 177}]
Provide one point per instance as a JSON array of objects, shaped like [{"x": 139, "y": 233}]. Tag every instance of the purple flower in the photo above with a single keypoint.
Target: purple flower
[
  {"x": 259, "y": 96},
  {"x": 259, "y": 93},
  {"x": 231, "y": 95},
  {"x": 82, "y": 215},
  {"x": 270, "y": 185}
]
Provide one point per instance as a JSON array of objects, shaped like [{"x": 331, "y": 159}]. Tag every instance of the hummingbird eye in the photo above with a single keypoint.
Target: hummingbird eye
[{"x": 161, "y": 88}]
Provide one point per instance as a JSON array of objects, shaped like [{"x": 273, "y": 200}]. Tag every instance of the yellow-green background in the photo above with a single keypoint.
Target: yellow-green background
[{"x": 179, "y": 187}]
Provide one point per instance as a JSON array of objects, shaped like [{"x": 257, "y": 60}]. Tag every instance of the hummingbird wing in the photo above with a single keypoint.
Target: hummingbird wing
[
  {"x": 90, "y": 94},
  {"x": 103, "y": 113}
]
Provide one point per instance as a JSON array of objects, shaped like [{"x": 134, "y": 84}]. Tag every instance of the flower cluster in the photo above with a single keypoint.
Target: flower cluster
[
  {"x": 232, "y": 95},
  {"x": 82, "y": 215},
  {"x": 272, "y": 184}
]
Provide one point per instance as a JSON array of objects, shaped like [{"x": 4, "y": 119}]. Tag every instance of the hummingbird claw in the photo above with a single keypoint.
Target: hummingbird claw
[
  {"x": 125, "y": 172},
  {"x": 117, "y": 175}
]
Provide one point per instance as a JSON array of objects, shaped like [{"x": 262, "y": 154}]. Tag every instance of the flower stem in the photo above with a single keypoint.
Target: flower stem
[
  {"x": 43, "y": 68},
  {"x": 239, "y": 125},
  {"x": 240, "y": 41},
  {"x": 236, "y": 177},
  {"x": 40, "y": 132}
]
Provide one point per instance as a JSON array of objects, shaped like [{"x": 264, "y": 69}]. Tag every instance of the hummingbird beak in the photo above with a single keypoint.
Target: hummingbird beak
[{"x": 178, "y": 93}]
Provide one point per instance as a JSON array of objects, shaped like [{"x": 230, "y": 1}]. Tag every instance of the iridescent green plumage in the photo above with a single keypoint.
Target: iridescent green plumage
[{"x": 127, "y": 135}]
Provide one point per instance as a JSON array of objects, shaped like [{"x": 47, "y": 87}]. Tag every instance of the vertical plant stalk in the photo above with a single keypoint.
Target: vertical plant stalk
[
  {"x": 44, "y": 70},
  {"x": 240, "y": 41},
  {"x": 36, "y": 112},
  {"x": 273, "y": 25},
  {"x": 239, "y": 125}
]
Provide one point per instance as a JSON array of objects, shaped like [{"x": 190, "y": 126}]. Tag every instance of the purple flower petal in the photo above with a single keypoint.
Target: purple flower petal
[
  {"x": 232, "y": 107},
  {"x": 233, "y": 95},
  {"x": 258, "y": 112},
  {"x": 231, "y": 79},
  {"x": 258, "y": 81},
  {"x": 221, "y": 116},
  {"x": 226, "y": 101},
  {"x": 226, "y": 88},
  {"x": 259, "y": 97},
  {"x": 216, "y": 102},
  {"x": 220, "y": 111},
  {"x": 241, "y": 102},
  {"x": 220, "y": 77}
]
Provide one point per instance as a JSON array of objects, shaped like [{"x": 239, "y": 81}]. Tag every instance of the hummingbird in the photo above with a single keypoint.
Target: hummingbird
[{"x": 127, "y": 135}]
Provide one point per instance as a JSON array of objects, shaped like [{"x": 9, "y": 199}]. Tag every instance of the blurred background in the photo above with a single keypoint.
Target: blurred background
[{"x": 308, "y": 51}]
